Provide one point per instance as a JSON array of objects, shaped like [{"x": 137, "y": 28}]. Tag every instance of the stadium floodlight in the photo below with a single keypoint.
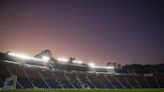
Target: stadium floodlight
[
  {"x": 25, "y": 57},
  {"x": 91, "y": 64},
  {"x": 20, "y": 56},
  {"x": 105, "y": 67},
  {"x": 110, "y": 67},
  {"x": 45, "y": 58},
  {"x": 62, "y": 59},
  {"x": 76, "y": 61}
]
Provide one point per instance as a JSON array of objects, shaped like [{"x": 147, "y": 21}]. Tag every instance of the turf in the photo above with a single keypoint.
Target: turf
[{"x": 91, "y": 90}]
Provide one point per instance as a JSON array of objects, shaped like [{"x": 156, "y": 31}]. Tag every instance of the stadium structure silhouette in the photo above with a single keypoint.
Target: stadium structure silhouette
[{"x": 43, "y": 71}]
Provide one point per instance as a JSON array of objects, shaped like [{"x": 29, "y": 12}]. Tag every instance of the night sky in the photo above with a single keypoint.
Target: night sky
[{"x": 101, "y": 31}]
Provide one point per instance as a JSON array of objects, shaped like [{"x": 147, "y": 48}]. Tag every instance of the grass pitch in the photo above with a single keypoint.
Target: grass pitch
[{"x": 90, "y": 90}]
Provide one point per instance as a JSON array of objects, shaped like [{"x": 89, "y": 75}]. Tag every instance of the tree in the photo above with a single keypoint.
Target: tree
[
  {"x": 119, "y": 65},
  {"x": 109, "y": 64},
  {"x": 115, "y": 64}
]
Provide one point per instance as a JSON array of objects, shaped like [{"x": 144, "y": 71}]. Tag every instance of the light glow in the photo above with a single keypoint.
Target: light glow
[
  {"x": 25, "y": 57},
  {"x": 45, "y": 58},
  {"x": 20, "y": 56},
  {"x": 62, "y": 59},
  {"x": 105, "y": 67},
  {"x": 91, "y": 64},
  {"x": 76, "y": 61}
]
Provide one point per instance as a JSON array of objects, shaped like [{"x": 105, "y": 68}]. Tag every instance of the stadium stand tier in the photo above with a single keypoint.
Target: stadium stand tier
[{"x": 76, "y": 76}]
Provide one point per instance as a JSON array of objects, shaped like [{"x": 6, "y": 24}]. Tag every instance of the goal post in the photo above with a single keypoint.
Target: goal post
[{"x": 10, "y": 83}]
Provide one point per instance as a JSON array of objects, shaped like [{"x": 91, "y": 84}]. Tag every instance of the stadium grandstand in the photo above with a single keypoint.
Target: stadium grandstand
[{"x": 43, "y": 71}]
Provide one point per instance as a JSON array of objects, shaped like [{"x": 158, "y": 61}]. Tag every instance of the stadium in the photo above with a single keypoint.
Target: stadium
[
  {"x": 81, "y": 46},
  {"x": 44, "y": 72}
]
